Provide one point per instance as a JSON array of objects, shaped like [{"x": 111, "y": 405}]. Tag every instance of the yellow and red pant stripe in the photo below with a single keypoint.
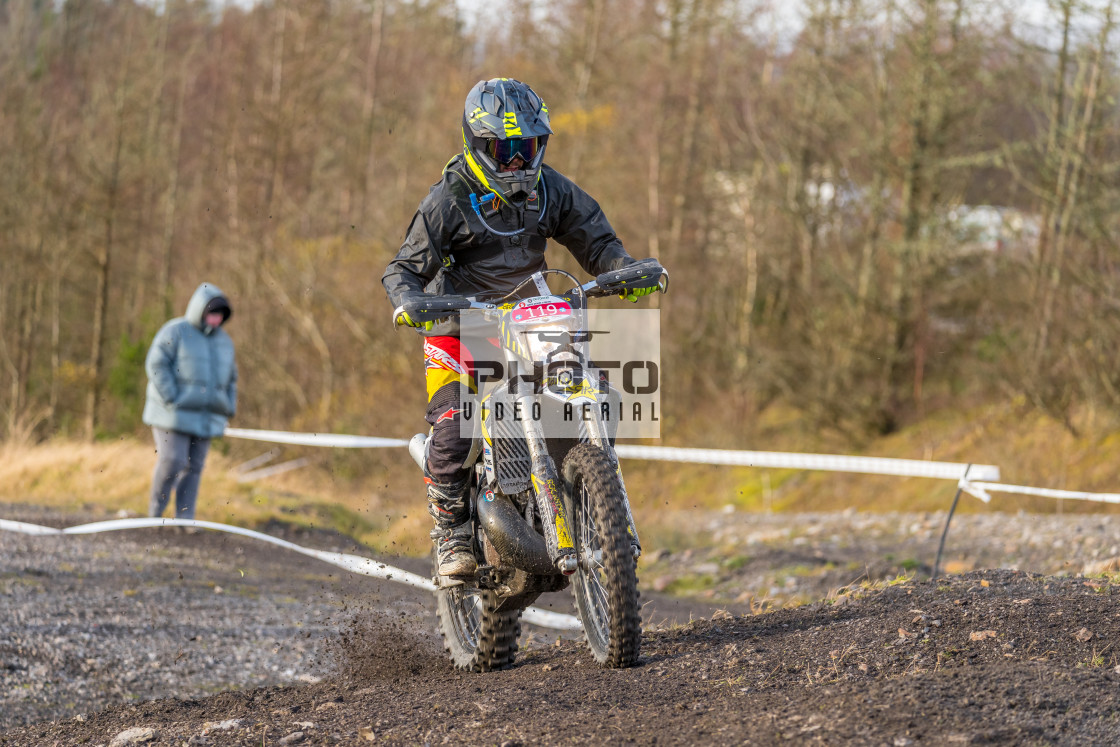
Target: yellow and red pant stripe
[{"x": 447, "y": 361}]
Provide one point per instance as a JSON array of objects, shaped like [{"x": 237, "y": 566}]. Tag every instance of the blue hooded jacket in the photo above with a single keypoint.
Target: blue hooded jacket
[{"x": 192, "y": 375}]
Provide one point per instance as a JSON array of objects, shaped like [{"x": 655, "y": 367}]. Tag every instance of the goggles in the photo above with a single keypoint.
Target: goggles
[{"x": 504, "y": 151}]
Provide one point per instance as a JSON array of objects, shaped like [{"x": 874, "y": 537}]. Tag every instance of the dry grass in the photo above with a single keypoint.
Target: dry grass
[
  {"x": 114, "y": 475},
  {"x": 110, "y": 477}
]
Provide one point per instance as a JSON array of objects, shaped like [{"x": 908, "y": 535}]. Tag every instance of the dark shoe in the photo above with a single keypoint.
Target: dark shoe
[{"x": 453, "y": 550}]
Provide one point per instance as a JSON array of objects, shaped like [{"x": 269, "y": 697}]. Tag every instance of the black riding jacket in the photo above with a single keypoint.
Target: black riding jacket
[{"x": 450, "y": 251}]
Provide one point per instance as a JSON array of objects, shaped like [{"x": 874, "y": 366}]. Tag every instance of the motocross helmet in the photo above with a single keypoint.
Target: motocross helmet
[{"x": 505, "y": 130}]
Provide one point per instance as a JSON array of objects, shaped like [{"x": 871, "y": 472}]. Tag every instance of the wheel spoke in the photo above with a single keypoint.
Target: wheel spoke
[
  {"x": 469, "y": 616},
  {"x": 601, "y": 606},
  {"x": 591, "y": 545}
]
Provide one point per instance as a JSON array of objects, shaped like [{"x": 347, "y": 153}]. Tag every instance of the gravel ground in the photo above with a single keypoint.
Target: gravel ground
[
  {"x": 769, "y": 560},
  {"x": 218, "y": 628},
  {"x": 91, "y": 621},
  {"x": 86, "y": 621}
]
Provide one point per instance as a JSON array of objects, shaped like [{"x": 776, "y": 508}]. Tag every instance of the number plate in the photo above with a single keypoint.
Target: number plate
[{"x": 540, "y": 309}]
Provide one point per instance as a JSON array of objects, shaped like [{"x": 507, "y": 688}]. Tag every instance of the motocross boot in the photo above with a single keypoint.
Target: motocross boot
[{"x": 447, "y": 504}]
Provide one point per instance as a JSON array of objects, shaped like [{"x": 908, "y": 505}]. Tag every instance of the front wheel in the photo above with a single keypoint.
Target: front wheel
[
  {"x": 606, "y": 583},
  {"x": 478, "y": 637}
]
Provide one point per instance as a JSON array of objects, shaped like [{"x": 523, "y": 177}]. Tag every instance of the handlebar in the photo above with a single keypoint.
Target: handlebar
[{"x": 647, "y": 273}]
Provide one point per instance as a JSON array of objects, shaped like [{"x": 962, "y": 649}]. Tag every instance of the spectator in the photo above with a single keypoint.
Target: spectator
[{"x": 192, "y": 392}]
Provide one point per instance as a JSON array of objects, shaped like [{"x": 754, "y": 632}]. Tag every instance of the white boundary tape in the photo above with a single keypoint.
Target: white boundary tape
[
  {"x": 971, "y": 478},
  {"x": 316, "y": 439},
  {"x": 353, "y": 563},
  {"x": 980, "y": 490},
  {"x": 827, "y": 462},
  {"x": 776, "y": 459}
]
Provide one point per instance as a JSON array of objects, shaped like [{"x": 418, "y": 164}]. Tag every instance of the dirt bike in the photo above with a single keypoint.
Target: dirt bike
[{"x": 538, "y": 527}]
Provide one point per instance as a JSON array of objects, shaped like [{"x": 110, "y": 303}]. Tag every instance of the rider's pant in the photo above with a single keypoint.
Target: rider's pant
[{"x": 450, "y": 373}]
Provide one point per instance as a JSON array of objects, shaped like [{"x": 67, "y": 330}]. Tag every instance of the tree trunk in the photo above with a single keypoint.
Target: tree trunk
[
  {"x": 694, "y": 86},
  {"x": 171, "y": 203},
  {"x": 593, "y": 9},
  {"x": 369, "y": 101},
  {"x": 1065, "y": 198},
  {"x": 102, "y": 267}
]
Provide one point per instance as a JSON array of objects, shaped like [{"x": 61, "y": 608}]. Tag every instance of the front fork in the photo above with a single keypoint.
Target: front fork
[{"x": 548, "y": 497}]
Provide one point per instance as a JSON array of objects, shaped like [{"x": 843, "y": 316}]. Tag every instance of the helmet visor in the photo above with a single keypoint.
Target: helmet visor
[{"x": 503, "y": 152}]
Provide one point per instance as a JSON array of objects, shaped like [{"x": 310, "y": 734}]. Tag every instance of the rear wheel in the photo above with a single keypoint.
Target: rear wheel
[
  {"x": 606, "y": 583},
  {"x": 479, "y": 638}
]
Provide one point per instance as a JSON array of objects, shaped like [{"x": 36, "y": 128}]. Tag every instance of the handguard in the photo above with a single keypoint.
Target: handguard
[
  {"x": 646, "y": 273},
  {"x": 423, "y": 309}
]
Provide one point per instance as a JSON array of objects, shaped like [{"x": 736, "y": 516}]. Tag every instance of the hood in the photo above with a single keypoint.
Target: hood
[{"x": 202, "y": 297}]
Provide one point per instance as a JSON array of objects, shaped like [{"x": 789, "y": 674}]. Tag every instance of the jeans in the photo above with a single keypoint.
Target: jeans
[{"x": 178, "y": 467}]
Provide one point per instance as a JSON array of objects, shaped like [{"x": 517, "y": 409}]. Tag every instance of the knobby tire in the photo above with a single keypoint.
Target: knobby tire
[
  {"x": 479, "y": 638},
  {"x": 606, "y": 595}
]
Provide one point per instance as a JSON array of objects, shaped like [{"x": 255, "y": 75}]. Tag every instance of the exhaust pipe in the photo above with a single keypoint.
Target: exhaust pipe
[
  {"x": 417, "y": 448},
  {"x": 516, "y": 542}
]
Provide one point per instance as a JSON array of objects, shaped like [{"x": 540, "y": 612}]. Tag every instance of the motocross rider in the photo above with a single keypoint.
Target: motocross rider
[{"x": 483, "y": 227}]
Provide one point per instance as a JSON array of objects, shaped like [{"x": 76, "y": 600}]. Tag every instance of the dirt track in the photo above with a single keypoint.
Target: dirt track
[{"x": 987, "y": 657}]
